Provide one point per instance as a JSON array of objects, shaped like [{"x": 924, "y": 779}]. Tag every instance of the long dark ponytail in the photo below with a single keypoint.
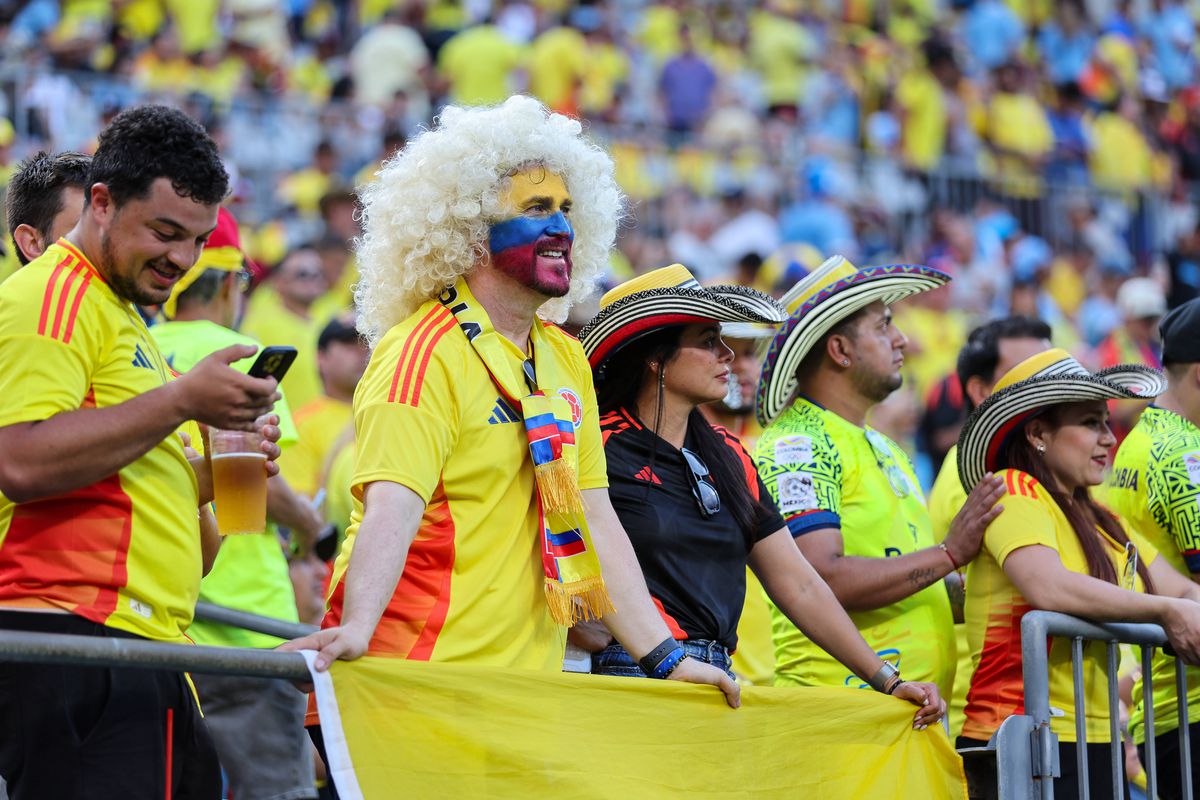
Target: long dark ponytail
[
  {"x": 1080, "y": 509},
  {"x": 618, "y": 384}
]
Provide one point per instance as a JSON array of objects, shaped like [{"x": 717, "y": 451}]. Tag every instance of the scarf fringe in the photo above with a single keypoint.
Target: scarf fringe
[
  {"x": 559, "y": 487},
  {"x": 577, "y": 601}
]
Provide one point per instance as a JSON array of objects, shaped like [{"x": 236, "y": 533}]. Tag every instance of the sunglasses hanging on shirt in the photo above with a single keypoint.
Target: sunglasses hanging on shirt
[{"x": 707, "y": 499}]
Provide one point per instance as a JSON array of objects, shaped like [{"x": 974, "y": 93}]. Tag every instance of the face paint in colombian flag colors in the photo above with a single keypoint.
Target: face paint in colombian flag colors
[{"x": 534, "y": 246}]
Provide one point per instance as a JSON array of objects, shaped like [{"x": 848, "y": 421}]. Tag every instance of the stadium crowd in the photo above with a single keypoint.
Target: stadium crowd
[{"x": 1037, "y": 159}]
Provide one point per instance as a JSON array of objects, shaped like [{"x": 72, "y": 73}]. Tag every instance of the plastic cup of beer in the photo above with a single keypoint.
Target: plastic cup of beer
[{"x": 239, "y": 481}]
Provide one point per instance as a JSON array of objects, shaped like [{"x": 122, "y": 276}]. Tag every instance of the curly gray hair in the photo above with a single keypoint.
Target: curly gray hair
[{"x": 426, "y": 219}]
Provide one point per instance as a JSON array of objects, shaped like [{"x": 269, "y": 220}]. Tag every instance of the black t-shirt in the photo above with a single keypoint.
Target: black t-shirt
[{"x": 695, "y": 566}]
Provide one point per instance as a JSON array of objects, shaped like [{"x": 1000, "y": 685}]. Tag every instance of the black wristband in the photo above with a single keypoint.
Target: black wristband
[
  {"x": 651, "y": 660},
  {"x": 894, "y": 686}
]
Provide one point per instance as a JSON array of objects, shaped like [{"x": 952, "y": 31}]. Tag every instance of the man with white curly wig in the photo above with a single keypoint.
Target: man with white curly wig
[{"x": 482, "y": 526}]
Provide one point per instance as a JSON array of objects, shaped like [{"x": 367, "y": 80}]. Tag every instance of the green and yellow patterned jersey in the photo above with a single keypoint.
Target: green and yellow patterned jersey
[
  {"x": 825, "y": 472},
  {"x": 1155, "y": 487}
]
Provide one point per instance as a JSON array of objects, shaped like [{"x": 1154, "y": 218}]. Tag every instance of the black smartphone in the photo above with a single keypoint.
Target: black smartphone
[{"x": 273, "y": 362}]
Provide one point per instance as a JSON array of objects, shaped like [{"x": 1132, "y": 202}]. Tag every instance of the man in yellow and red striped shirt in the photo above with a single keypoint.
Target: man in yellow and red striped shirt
[{"x": 98, "y": 518}]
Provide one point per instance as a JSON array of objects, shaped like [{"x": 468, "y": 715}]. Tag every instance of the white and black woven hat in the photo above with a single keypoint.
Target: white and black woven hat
[
  {"x": 817, "y": 303},
  {"x": 1040, "y": 381},
  {"x": 665, "y": 297}
]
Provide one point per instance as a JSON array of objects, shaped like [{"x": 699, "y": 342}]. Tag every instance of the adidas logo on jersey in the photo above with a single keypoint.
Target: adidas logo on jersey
[
  {"x": 502, "y": 412},
  {"x": 645, "y": 474},
  {"x": 140, "y": 359}
]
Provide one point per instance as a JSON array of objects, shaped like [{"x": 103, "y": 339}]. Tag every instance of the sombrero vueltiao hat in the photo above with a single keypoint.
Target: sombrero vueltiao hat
[
  {"x": 1040, "y": 381},
  {"x": 223, "y": 251},
  {"x": 821, "y": 300},
  {"x": 665, "y": 297}
]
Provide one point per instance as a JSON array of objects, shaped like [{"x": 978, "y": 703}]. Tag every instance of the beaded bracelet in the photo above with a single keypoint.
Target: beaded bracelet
[
  {"x": 668, "y": 665},
  {"x": 946, "y": 550}
]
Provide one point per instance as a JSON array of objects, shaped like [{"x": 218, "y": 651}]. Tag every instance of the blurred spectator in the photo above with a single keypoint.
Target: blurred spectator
[
  {"x": 44, "y": 201},
  {"x": 341, "y": 359},
  {"x": 280, "y": 313},
  {"x": 390, "y": 58},
  {"x": 1018, "y": 133},
  {"x": 304, "y": 189},
  {"x": 923, "y": 95},
  {"x": 1120, "y": 159},
  {"x": 686, "y": 85},
  {"x": 478, "y": 65},
  {"x": 1171, "y": 33},
  {"x": 992, "y": 33},
  {"x": 1066, "y": 42},
  {"x": 819, "y": 219},
  {"x": 1068, "y": 163},
  {"x": 780, "y": 48},
  {"x": 557, "y": 63},
  {"x": 1135, "y": 341}
]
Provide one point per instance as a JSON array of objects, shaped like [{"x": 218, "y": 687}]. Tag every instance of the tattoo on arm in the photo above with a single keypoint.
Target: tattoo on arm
[
  {"x": 920, "y": 578},
  {"x": 957, "y": 591}
]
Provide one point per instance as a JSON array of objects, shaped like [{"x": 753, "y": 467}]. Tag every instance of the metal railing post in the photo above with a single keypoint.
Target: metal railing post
[
  {"x": 1081, "y": 754},
  {"x": 1116, "y": 741},
  {"x": 1035, "y": 656},
  {"x": 1151, "y": 765},
  {"x": 1185, "y": 750}
]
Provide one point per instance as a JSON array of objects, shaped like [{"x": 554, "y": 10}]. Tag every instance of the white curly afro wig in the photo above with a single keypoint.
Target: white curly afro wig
[{"x": 426, "y": 219}]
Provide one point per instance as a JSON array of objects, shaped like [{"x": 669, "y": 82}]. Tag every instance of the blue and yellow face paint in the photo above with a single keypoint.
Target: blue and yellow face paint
[{"x": 534, "y": 245}]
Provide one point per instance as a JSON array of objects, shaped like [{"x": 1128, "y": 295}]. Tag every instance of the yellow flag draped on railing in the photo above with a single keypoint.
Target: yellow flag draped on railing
[{"x": 402, "y": 729}]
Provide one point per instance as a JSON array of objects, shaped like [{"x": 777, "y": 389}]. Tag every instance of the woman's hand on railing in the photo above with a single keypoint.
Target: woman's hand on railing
[
  {"x": 925, "y": 695},
  {"x": 693, "y": 670},
  {"x": 1181, "y": 622}
]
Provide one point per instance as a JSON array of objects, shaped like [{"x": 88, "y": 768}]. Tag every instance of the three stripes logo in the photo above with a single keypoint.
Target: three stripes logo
[
  {"x": 502, "y": 412},
  {"x": 140, "y": 359},
  {"x": 645, "y": 474}
]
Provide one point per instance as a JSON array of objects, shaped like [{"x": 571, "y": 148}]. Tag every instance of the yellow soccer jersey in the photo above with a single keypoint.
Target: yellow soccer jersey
[
  {"x": 1155, "y": 487},
  {"x": 995, "y": 607},
  {"x": 319, "y": 424},
  {"x": 429, "y": 417},
  {"x": 824, "y": 472},
  {"x": 268, "y": 321},
  {"x": 124, "y": 552}
]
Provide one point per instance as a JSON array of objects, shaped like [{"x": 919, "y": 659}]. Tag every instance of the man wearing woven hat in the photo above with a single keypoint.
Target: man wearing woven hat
[
  {"x": 257, "y": 725},
  {"x": 481, "y": 520},
  {"x": 849, "y": 494},
  {"x": 1155, "y": 486}
]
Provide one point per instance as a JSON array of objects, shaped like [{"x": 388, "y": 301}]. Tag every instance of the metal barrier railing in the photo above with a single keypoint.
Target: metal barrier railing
[
  {"x": 1041, "y": 743},
  {"x": 61, "y": 648},
  {"x": 210, "y": 612}
]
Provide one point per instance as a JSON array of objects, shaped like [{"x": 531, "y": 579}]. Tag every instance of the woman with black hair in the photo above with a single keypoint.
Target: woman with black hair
[
  {"x": 1044, "y": 431},
  {"x": 688, "y": 494}
]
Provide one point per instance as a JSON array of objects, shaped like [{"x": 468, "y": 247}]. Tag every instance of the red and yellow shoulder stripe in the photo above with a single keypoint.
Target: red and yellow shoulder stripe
[
  {"x": 69, "y": 281},
  {"x": 739, "y": 452},
  {"x": 1021, "y": 483},
  {"x": 615, "y": 422},
  {"x": 415, "y": 354}
]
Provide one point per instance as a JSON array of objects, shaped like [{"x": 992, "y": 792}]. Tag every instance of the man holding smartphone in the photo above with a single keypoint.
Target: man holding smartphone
[
  {"x": 257, "y": 725},
  {"x": 99, "y": 530}
]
